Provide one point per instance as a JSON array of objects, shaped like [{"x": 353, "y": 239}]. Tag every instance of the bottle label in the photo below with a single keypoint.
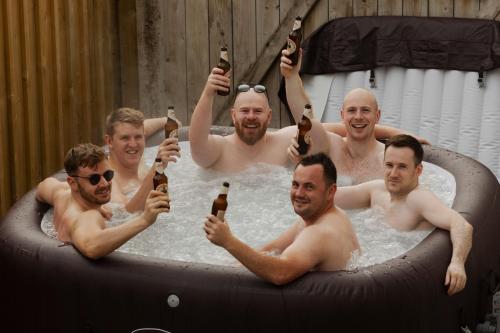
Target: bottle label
[
  {"x": 307, "y": 137},
  {"x": 291, "y": 46},
  {"x": 308, "y": 113},
  {"x": 174, "y": 134},
  {"x": 224, "y": 56},
  {"x": 220, "y": 214},
  {"x": 296, "y": 25},
  {"x": 162, "y": 188}
]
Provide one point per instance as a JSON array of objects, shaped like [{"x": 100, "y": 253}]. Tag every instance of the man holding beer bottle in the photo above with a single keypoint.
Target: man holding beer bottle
[
  {"x": 79, "y": 217},
  {"x": 126, "y": 131},
  {"x": 322, "y": 239}
]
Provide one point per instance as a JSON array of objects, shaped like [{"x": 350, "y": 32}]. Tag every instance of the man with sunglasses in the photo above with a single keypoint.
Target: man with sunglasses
[
  {"x": 126, "y": 133},
  {"x": 78, "y": 214},
  {"x": 352, "y": 145},
  {"x": 251, "y": 143}
]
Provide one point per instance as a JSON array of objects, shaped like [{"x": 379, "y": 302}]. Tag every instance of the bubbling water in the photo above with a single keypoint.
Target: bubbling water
[{"x": 259, "y": 210}]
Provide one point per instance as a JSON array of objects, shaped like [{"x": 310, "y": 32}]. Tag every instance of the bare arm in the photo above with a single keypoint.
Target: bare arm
[
  {"x": 356, "y": 196},
  {"x": 153, "y": 125},
  {"x": 48, "y": 190},
  {"x": 434, "y": 211},
  {"x": 295, "y": 94},
  {"x": 283, "y": 241},
  {"x": 206, "y": 148},
  {"x": 295, "y": 261},
  {"x": 91, "y": 237}
]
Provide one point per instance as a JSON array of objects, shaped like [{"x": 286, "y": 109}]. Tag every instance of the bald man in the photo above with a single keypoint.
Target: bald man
[
  {"x": 358, "y": 155},
  {"x": 251, "y": 143}
]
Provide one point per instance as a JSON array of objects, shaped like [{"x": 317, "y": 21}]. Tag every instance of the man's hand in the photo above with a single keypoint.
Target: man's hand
[
  {"x": 455, "y": 278},
  {"x": 169, "y": 150},
  {"x": 217, "y": 231},
  {"x": 286, "y": 68},
  {"x": 293, "y": 153},
  {"x": 217, "y": 80},
  {"x": 157, "y": 202}
]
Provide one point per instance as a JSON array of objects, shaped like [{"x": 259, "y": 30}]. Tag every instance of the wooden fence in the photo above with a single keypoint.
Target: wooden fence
[{"x": 65, "y": 64}]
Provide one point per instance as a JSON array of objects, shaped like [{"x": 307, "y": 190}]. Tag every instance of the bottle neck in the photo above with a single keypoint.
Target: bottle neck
[
  {"x": 308, "y": 113},
  {"x": 223, "y": 191},
  {"x": 296, "y": 25},
  {"x": 224, "y": 56},
  {"x": 171, "y": 113},
  {"x": 159, "y": 167}
]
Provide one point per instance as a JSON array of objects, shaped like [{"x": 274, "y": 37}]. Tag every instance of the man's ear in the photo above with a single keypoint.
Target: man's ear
[
  {"x": 331, "y": 191},
  {"x": 72, "y": 184},
  {"x": 378, "y": 115},
  {"x": 419, "y": 168},
  {"x": 107, "y": 139},
  {"x": 269, "y": 116},
  {"x": 233, "y": 112}
]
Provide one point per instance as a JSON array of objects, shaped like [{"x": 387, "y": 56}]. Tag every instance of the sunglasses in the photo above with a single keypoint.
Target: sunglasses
[
  {"x": 95, "y": 178},
  {"x": 258, "y": 88}
]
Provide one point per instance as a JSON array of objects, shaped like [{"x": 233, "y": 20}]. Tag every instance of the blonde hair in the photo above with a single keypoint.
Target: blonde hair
[{"x": 123, "y": 115}]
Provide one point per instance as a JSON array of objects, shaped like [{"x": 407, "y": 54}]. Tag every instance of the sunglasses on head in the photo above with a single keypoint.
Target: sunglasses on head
[
  {"x": 258, "y": 88},
  {"x": 95, "y": 178}
]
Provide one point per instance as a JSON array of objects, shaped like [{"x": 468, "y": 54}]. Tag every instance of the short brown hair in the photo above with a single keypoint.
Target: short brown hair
[
  {"x": 123, "y": 115},
  {"x": 408, "y": 141},
  {"x": 83, "y": 155}
]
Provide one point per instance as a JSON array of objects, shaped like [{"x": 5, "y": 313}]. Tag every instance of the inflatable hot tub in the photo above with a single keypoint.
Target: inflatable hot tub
[{"x": 46, "y": 287}]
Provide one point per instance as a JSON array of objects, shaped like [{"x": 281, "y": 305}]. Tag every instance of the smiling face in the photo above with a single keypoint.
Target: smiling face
[
  {"x": 126, "y": 145},
  {"x": 309, "y": 194},
  {"x": 251, "y": 115},
  {"x": 400, "y": 172},
  {"x": 98, "y": 194},
  {"x": 360, "y": 113}
]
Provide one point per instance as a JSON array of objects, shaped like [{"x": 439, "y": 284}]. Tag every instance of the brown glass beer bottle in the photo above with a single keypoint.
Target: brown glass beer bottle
[
  {"x": 220, "y": 203},
  {"x": 304, "y": 130},
  {"x": 294, "y": 40},
  {"x": 225, "y": 66},
  {"x": 160, "y": 179},
  {"x": 173, "y": 124}
]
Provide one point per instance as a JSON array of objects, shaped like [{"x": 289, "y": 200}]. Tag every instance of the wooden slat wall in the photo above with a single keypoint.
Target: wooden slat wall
[
  {"x": 57, "y": 82},
  {"x": 65, "y": 64}
]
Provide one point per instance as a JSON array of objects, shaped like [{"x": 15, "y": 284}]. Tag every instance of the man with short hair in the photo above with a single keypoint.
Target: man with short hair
[
  {"x": 322, "y": 239},
  {"x": 251, "y": 143},
  {"x": 358, "y": 155},
  {"x": 78, "y": 213},
  {"x": 408, "y": 206},
  {"x": 126, "y": 132}
]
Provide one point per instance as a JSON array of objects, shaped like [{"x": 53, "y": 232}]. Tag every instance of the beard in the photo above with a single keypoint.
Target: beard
[
  {"x": 92, "y": 198},
  {"x": 250, "y": 139}
]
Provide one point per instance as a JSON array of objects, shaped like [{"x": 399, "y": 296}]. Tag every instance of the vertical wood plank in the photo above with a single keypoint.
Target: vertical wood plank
[
  {"x": 220, "y": 32},
  {"x": 15, "y": 100},
  {"x": 97, "y": 12},
  {"x": 174, "y": 28},
  {"x": 128, "y": 53},
  {"x": 340, "y": 8},
  {"x": 316, "y": 18},
  {"x": 5, "y": 141},
  {"x": 441, "y": 8},
  {"x": 267, "y": 20},
  {"x": 466, "y": 8},
  {"x": 85, "y": 110},
  {"x": 489, "y": 9},
  {"x": 29, "y": 80},
  {"x": 110, "y": 58},
  {"x": 415, "y": 8},
  {"x": 197, "y": 51},
  {"x": 61, "y": 28},
  {"x": 244, "y": 49},
  {"x": 390, "y": 7},
  {"x": 364, "y": 7}
]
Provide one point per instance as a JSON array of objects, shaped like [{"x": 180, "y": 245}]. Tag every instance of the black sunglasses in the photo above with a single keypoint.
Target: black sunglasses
[
  {"x": 258, "y": 88},
  {"x": 95, "y": 178}
]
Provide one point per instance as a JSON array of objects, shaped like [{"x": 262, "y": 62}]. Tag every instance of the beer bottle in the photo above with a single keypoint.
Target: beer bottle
[
  {"x": 304, "y": 130},
  {"x": 294, "y": 40},
  {"x": 160, "y": 180},
  {"x": 225, "y": 66},
  {"x": 220, "y": 204},
  {"x": 173, "y": 124}
]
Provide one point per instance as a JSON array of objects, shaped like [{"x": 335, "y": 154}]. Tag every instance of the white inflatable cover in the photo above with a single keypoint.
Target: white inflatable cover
[{"x": 447, "y": 107}]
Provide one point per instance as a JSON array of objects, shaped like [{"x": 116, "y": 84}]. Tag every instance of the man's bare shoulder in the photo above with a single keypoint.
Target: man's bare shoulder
[{"x": 420, "y": 197}]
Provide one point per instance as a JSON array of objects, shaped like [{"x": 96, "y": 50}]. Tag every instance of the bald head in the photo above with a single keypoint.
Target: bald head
[{"x": 360, "y": 95}]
